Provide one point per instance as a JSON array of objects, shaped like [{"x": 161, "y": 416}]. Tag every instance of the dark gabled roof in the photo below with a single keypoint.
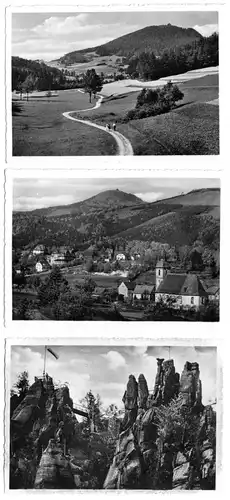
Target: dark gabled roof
[
  {"x": 144, "y": 288},
  {"x": 193, "y": 286},
  {"x": 182, "y": 284},
  {"x": 98, "y": 290},
  {"x": 129, "y": 284},
  {"x": 172, "y": 283},
  {"x": 148, "y": 278},
  {"x": 213, "y": 289},
  {"x": 39, "y": 246}
]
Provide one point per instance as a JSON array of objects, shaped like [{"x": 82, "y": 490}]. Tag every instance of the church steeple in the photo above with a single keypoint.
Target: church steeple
[{"x": 161, "y": 272}]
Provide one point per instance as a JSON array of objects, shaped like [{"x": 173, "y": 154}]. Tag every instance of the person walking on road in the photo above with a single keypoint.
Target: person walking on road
[{"x": 114, "y": 126}]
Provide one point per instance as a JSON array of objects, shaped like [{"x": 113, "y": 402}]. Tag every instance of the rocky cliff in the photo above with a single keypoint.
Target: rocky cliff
[
  {"x": 48, "y": 447},
  {"x": 42, "y": 427},
  {"x": 167, "y": 437}
]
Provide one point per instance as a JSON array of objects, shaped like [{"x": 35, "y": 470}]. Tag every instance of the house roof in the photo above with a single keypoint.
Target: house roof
[
  {"x": 129, "y": 284},
  {"x": 213, "y": 289},
  {"x": 39, "y": 247},
  {"x": 182, "y": 284},
  {"x": 140, "y": 289},
  {"x": 148, "y": 278},
  {"x": 43, "y": 261},
  {"x": 98, "y": 290}
]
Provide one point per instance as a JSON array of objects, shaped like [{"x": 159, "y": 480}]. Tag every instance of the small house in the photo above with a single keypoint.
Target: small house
[
  {"x": 56, "y": 259},
  {"x": 213, "y": 293},
  {"x": 38, "y": 250},
  {"x": 120, "y": 256},
  {"x": 42, "y": 265},
  {"x": 18, "y": 269},
  {"x": 126, "y": 289},
  {"x": 144, "y": 292},
  {"x": 98, "y": 292}
]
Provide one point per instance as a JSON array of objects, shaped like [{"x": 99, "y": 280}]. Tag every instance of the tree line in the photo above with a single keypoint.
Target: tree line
[{"x": 199, "y": 54}]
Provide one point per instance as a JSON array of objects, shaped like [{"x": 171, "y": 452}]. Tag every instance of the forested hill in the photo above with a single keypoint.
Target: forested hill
[
  {"x": 182, "y": 220},
  {"x": 150, "y": 39},
  {"x": 109, "y": 199},
  {"x": 42, "y": 75}
]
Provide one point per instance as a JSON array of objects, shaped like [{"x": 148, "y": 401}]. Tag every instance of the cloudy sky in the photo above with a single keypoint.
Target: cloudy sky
[
  {"x": 29, "y": 194},
  {"x": 50, "y": 35},
  {"x": 105, "y": 369}
]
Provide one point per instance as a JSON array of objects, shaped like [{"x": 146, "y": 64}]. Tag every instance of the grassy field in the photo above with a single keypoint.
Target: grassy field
[
  {"x": 192, "y": 128},
  {"x": 189, "y": 130},
  {"x": 39, "y": 129},
  {"x": 102, "y": 281}
]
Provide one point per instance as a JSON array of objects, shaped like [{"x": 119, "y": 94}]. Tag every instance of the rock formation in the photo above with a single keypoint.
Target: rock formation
[
  {"x": 48, "y": 448},
  {"x": 150, "y": 455},
  {"x": 165, "y": 441},
  {"x": 37, "y": 420}
]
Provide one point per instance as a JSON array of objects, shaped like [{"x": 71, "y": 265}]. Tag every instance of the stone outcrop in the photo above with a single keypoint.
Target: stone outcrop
[
  {"x": 190, "y": 385},
  {"x": 45, "y": 419},
  {"x": 166, "y": 383},
  {"x": 130, "y": 401},
  {"x": 54, "y": 470},
  {"x": 165, "y": 441},
  {"x": 146, "y": 457}
]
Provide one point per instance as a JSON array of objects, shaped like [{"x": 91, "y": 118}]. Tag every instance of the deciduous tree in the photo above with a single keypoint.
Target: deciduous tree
[{"x": 92, "y": 83}]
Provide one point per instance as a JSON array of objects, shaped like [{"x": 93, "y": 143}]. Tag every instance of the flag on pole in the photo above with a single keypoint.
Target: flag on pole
[{"x": 52, "y": 352}]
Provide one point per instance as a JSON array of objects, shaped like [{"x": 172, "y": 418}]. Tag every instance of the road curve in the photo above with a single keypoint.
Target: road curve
[{"x": 123, "y": 144}]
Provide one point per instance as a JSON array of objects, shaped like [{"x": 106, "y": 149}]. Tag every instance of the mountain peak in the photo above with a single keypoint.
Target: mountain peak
[{"x": 149, "y": 39}]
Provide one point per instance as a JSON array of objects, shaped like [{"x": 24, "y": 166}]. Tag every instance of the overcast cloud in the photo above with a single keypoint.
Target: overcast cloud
[
  {"x": 50, "y": 35},
  {"x": 105, "y": 370},
  {"x": 29, "y": 194}
]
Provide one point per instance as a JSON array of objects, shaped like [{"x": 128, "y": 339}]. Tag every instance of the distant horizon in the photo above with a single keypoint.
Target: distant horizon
[
  {"x": 60, "y": 33},
  {"x": 20, "y": 191}
]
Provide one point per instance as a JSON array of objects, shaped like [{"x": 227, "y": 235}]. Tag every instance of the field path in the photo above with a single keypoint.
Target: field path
[{"x": 123, "y": 144}]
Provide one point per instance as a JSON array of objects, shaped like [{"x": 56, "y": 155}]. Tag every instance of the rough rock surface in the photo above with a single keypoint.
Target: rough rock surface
[
  {"x": 54, "y": 470},
  {"x": 45, "y": 419},
  {"x": 130, "y": 402},
  {"x": 190, "y": 384},
  {"x": 143, "y": 458}
]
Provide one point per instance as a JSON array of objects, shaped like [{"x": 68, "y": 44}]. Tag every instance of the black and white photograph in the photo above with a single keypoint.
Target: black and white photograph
[
  {"x": 135, "y": 417},
  {"x": 115, "y": 83},
  {"x": 115, "y": 248}
]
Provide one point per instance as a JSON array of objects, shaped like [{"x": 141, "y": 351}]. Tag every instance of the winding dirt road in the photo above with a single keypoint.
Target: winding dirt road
[{"x": 123, "y": 144}]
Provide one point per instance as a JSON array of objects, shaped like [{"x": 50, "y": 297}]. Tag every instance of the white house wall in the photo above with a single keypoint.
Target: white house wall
[
  {"x": 123, "y": 290},
  {"x": 184, "y": 301}
]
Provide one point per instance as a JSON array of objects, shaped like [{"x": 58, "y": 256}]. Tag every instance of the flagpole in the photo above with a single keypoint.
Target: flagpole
[
  {"x": 169, "y": 352},
  {"x": 44, "y": 369}
]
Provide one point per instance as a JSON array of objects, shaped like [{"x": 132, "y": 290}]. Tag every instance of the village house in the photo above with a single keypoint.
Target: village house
[
  {"x": 120, "y": 256},
  {"x": 38, "y": 250},
  {"x": 213, "y": 293},
  {"x": 18, "y": 269},
  {"x": 56, "y": 259},
  {"x": 126, "y": 289},
  {"x": 42, "y": 265},
  {"x": 89, "y": 252},
  {"x": 144, "y": 292},
  {"x": 98, "y": 292}
]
